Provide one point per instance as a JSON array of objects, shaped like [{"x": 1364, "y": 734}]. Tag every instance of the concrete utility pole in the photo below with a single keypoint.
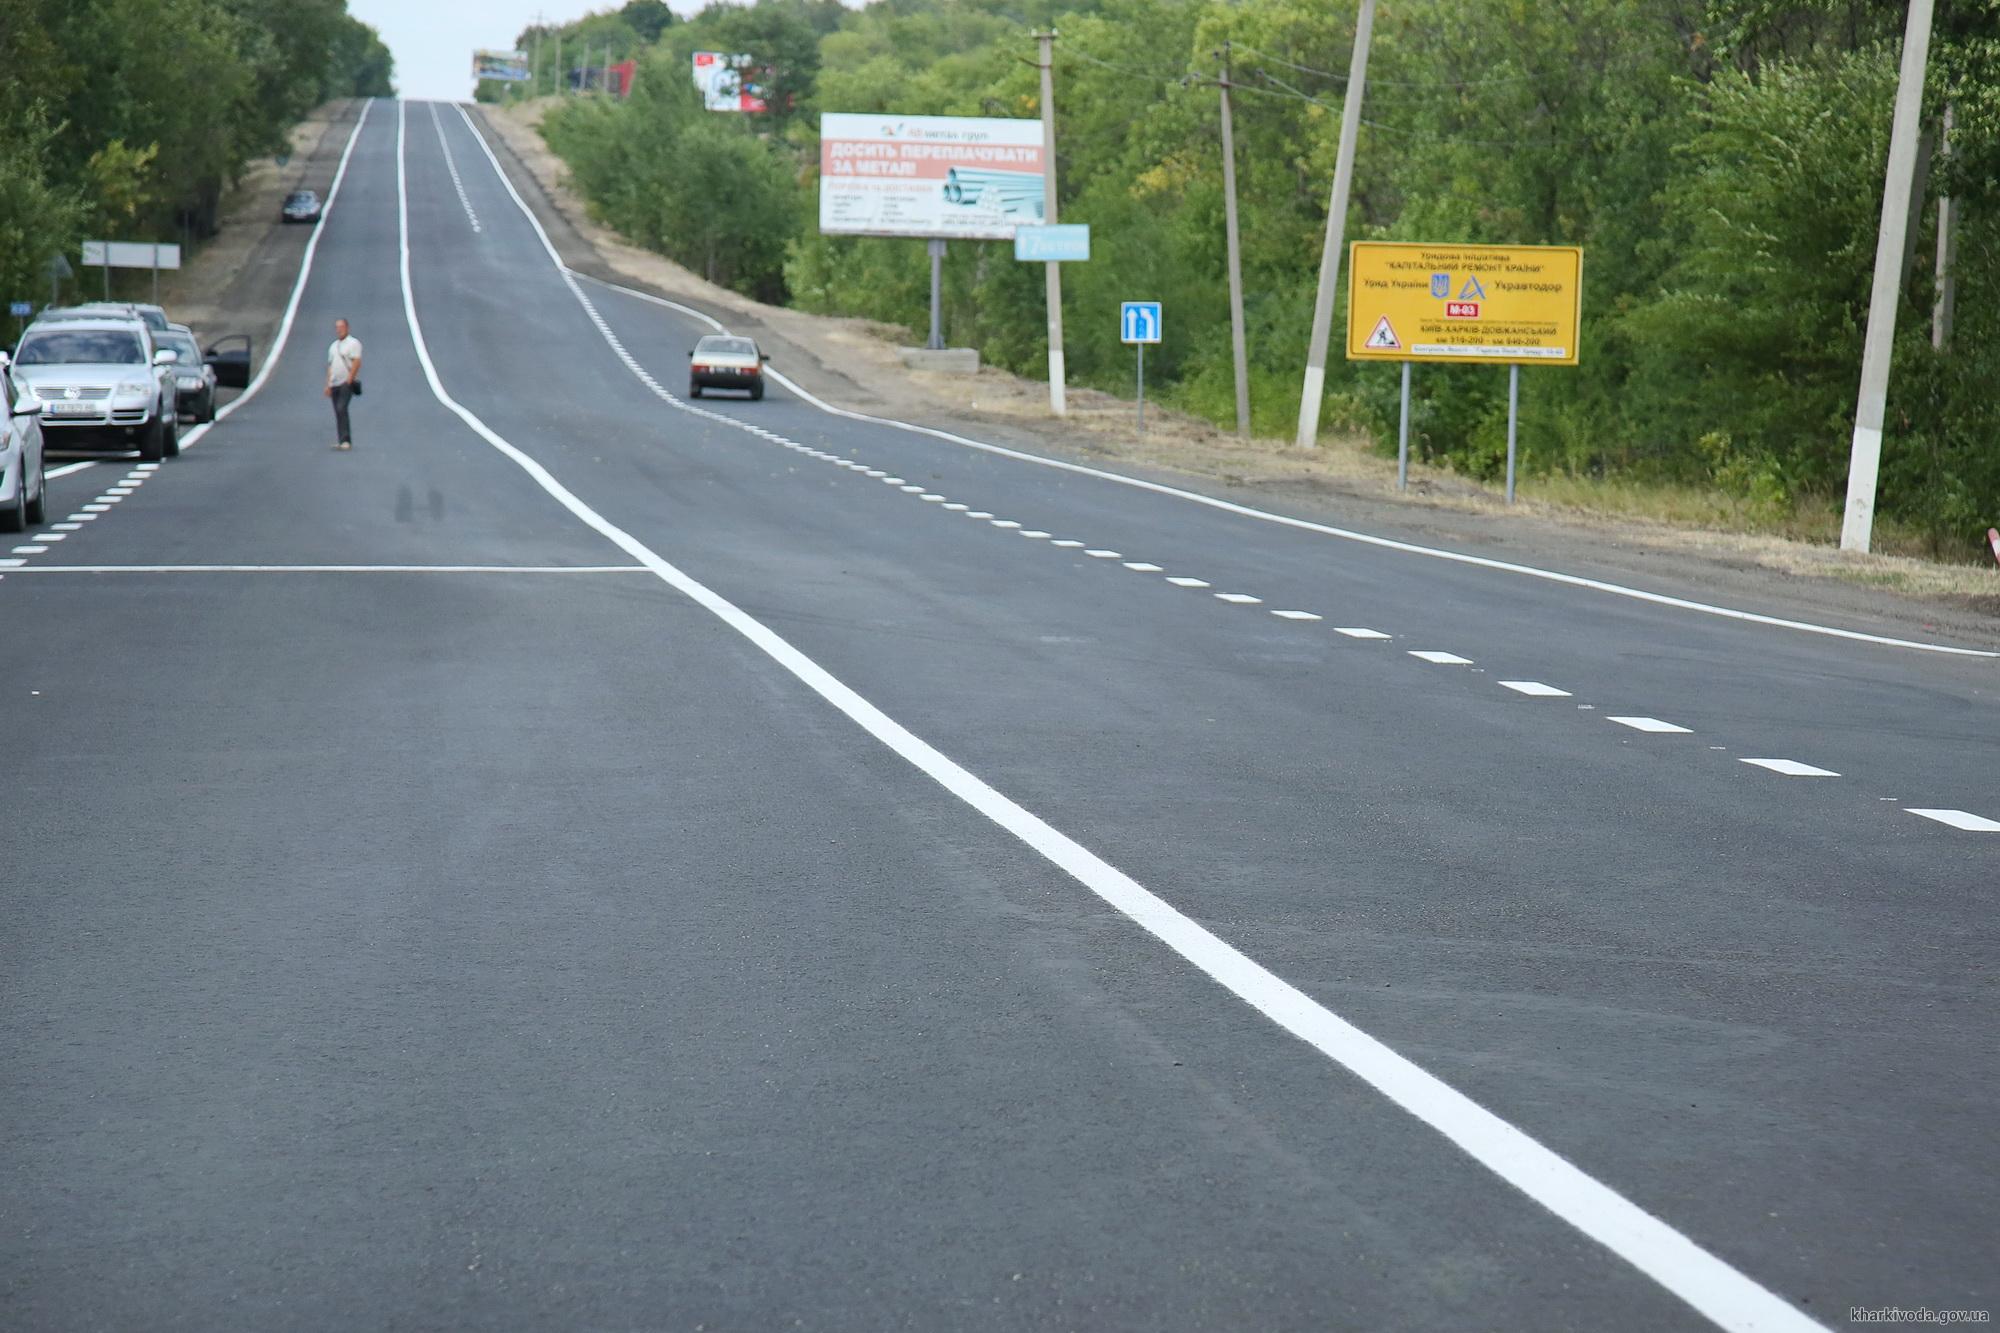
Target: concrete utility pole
[
  {"x": 1857, "y": 525},
  {"x": 559, "y": 64},
  {"x": 1947, "y": 251},
  {"x": 1058, "y": 400},
  {"x": 1236, "y": 339},
  {"x": 1336, "y": 225}
]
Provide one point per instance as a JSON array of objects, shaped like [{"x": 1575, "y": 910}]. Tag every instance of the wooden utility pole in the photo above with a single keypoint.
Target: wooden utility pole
[
  {"x": 1058, "y": 399},
  {"x": 1236, "y": 339},
  {"x": 1336, "y": 224},
  {"x": 1857, "y": 526}
]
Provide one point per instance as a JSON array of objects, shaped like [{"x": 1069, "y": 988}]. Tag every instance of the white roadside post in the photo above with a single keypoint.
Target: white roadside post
[
  {"x": 1336, "y": 226},
  {"x": 1058, "y": 398},
  {"x": 1857, "y": 525}
]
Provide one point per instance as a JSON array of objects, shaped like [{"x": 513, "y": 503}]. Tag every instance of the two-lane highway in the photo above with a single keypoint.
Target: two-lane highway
[{"x": 585, "y": 859}]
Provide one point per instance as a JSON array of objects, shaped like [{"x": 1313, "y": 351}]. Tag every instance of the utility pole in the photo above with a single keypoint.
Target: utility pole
[
  {"x": 1236, "y": 339},
  {"x": 559, "y": 64},
  {"x": 1857, "y": 525},
  {"x": 1058, "y": 401},
  {"x": 1947, "y": 251},
  {"x": 1336, "y": 225}
]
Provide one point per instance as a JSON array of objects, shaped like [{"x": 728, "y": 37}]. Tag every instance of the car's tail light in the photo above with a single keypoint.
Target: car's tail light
[{"x": 699, "y": 369}]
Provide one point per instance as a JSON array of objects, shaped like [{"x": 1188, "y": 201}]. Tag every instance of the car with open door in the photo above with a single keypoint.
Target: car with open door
[
  {"x": 229, "y": 357},
  {"x": 724, "y": 361},
  {"x": 194, "y": 378},
  {"x": 24, "y": 485}
]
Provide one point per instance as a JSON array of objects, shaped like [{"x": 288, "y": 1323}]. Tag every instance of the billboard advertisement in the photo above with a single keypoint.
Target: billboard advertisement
[
  {"x": 505, "y": 66},
  {"x": 962, "y": 177},
  {"x": 729, "y": 82}
]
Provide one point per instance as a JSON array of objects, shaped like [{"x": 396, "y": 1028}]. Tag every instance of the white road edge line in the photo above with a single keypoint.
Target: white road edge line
[
  {"x": 337, "y": 569},
  {"x": 1324, "y": 529},
  {"x": 1721, "y": 1293}
]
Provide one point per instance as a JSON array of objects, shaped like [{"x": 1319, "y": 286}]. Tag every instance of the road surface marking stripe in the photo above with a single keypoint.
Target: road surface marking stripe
[
  {"x": 1035, "y": 533},
  {"x": 1647, "y": 724},
  {"x": 1791, "y": 768},
  {"x": 29, "y": 550},
  {"x": 340, "y": 569},
  {"x": 52, "y": 536},
  {"x": 892, "y": 481},
  {"x": 1104, "y": 555},
  {"x": 1182, "y": 582},
  {"x": 957, "y": 508},
  {"x": 65, "y": 527},
  {"x": 67, "y": 468},
  {"x": 1699, "y": 1278},
  {"x": 931, "y": 499},
  {"x": 1067, "y": 543},
  {"x": 1960, "y": 819},
  {"x": 1295, "y": 615},
  {"x": 1005, "y": 523},
  {"x": 1240, "y": 598},
  {"x": 1535, "y": 688},
  {"x": 1357, "y": 632},
  {"x": 97, "y": 509},
  {"x": 79, "y": 518},
  {"x": 12, "y": 564},
  {"x": 1142, "y": 567},
  {"x": 1442, "y": 659}
]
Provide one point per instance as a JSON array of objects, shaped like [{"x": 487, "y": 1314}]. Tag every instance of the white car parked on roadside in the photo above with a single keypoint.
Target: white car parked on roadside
[{"x": 24, "y": 486}]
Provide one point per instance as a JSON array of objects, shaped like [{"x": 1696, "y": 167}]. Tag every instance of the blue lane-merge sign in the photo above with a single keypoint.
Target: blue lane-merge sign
[
  {"x": 21, "y": 309},
  {"x": 1065, "y": 242},
  {"x": 1139, "y": 322}
]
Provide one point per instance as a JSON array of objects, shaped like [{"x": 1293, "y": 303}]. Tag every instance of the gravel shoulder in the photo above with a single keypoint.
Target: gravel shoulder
[{"x": 854, "y": 363}]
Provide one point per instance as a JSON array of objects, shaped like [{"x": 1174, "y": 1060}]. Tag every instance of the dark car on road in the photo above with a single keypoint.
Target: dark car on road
[
  {"x": 721, "y": 361},
  {"x": 194, "y": 380},
  {"x": 300, "y": 206}
]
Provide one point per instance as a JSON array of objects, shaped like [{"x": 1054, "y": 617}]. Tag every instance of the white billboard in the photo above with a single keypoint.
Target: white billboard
[
  {"x": 967, "y": 177},
  {"x": 504, "y": 66},
  {"x": 729, "y": 82}
]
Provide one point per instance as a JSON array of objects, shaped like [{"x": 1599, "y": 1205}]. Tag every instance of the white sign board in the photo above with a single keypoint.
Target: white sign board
[
  {"x": 131, "y": 254},
  {"x": 729, "y": 82},
  {"x": 967, "y": 177}
]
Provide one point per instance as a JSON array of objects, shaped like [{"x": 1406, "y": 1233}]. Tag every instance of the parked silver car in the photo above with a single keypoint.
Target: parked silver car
[
  {"x": 154, "y": 317},
  {"x": 24, "y": 486},
  {"x": 102, "y": 382},
  {"x": 194, "y": 379}
]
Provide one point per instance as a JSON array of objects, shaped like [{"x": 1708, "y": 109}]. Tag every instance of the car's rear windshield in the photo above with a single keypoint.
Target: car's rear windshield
[
  {"x": 70, "y": 347},
  {"x": 727, "y": 346},
  {"x": 175, "y": 341}
]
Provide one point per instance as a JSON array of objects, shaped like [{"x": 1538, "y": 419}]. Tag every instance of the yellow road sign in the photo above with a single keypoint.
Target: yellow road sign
[{"x": 1503, "y": 304}]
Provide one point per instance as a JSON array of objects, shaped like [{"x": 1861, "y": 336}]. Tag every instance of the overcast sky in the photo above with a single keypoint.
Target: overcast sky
[{"x": 433, "y": 40}]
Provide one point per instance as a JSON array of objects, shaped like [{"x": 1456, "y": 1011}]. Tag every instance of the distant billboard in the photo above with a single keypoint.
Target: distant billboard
[
  {"x": 504, "y": 66},
  {"x": 729, "y": 82},
  {"x": 969, "y": 177}
]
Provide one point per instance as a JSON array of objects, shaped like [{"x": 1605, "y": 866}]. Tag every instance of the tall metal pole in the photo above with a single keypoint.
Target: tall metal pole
[
  {"x": 1058, "y": 399},
  {"x": 1513, "y": 419},
  {"x": 1236, "y": 339},
  {"x": 936, "y": 342},
  {"x": 1336, "y": 225},
  {"x": 1947, "y": 251},
  {"x": 1857, "y": 526},
  {"x": 1403, "y": 435}
]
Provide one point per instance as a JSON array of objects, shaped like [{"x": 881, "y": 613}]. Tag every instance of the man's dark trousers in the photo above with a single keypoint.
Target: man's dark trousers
[{"x": 343, "y": 394}]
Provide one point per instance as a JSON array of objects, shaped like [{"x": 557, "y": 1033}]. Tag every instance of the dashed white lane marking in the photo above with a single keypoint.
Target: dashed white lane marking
[
  {"x": 1295, "y": 615},
  {"x": 1960, "y": 819},
  {"x": 52, "y": 536},
  {"x": 11, "y": 563},
  {"x": 110, "y": 497},
  {"x": 1357, "y": 632},
  {"x": 1240, "y": 598},
  {"x": 155, "y": 467},
  {"x": 1181, "y": 582},
  {"x": 1101, "y": 554},
  {"x": 1535, "y": 688},
  {"x": 29, "y": 550},
  {"x": 873, "y": 472},
  {"x": 1705, "y": 1282},
  {"x": 97, "y": 509},
  {"x": 1647, "y": 724},
  {"x": 892, "y": 481},
  {"x": 1142, "y": 567},
  {"x": 1067, "y": 544},
  {"x": 979, "y": 513},
  {"x": 931, "y": 498},
  {"x": 1036, "y": 533},
  {"x": 1791, "y": 768},
  {"x": 451, "y": 165},
  {"x": 81, "y": 517},
  {"x": 958, "y": 508},
  {"x": 65, "y": 527},
  {"x": 121, "y": 490},
  {"x": 1005, "y": 523},
  {"x": 1442, "y": 659},
  {"x": 913, "y": 490}
]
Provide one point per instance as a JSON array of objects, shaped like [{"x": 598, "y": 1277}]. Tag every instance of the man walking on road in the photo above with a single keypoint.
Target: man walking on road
[{"x": 343, "y": 378}]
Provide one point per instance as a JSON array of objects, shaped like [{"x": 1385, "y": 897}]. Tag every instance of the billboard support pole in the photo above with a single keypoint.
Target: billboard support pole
[
  {"x": 1336, "y": 225},
  {"x": 1403, "y": 435},
  {"x": 1058, "y": 404},
  {"x": 936, "y": 344},
  {"x": 1513, "y": 420}
]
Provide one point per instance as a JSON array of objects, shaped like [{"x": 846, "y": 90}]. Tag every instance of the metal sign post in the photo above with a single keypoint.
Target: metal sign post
[
  {"x": 1513, "y": 419},
  {"x": 936, "y": 344},
  {"x": 1403, "y": 436},
  {"x": 1139, "y": 323}
]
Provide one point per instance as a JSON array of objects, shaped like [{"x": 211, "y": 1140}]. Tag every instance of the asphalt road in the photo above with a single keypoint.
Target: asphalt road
[{"x": 656, "y": 871}]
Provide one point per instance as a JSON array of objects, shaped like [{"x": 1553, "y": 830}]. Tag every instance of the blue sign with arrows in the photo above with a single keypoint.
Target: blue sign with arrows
[{"x": 1139, "y": 322}]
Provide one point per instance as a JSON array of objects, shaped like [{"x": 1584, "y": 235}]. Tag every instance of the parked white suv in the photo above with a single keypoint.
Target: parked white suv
[{"x": 102, "y": 382}]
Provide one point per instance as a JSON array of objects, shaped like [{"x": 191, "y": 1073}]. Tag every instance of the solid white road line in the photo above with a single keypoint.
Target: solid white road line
[
  {"x": 1791, "y": 768},
  {"x": 1648, "y": 724},
  {"x": 1535, "y": 688},
  {"x": 1442, "y": 659},
  {"x": 338, "y": 569},
  {"x": 67, "y": 468},
  {"x": 1703, "y": 1281},
  {"x": 1960, "y": 819}
]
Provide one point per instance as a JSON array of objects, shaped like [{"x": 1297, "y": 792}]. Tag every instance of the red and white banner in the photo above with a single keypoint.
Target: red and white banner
[{"x": 729, "y": 82}]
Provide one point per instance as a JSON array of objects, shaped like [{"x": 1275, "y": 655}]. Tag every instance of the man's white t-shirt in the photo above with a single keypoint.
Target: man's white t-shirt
[{"x": 343, "y": 355}]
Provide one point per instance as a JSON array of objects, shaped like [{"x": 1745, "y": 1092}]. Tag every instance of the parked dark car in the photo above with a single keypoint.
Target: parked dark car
[
  {"x": 194, "y": 379},
  {"x": 229, "y": 357},
  {"x": 300, "y": 206}
]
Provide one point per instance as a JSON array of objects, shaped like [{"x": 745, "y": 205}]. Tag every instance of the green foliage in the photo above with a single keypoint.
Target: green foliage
[
  {"x": 129, "y": 118},
  {"x": 1719, "y": 160}
]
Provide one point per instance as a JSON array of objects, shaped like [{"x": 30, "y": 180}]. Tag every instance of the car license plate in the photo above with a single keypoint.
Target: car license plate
[{"x": 68, "y": 409}]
